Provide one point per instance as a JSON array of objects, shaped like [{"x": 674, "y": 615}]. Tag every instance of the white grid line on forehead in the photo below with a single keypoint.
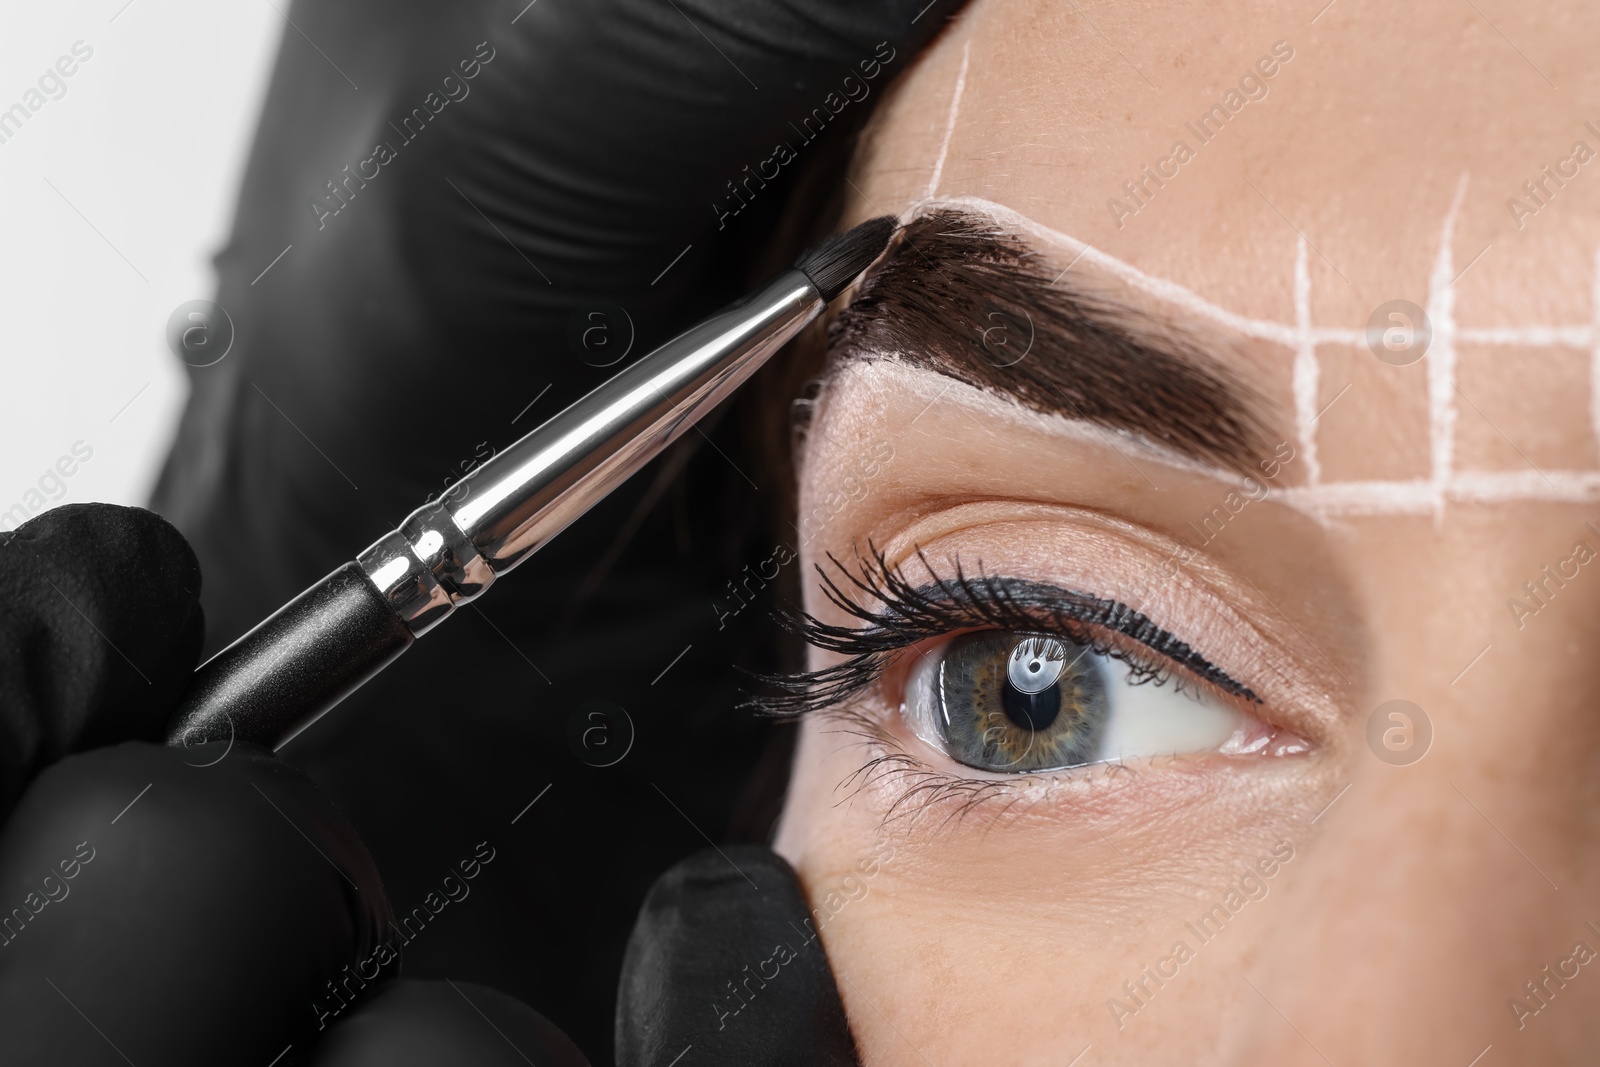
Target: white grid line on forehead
[
  {"x": 1307, "y": 368},
  {"x": 950, "y": 121},
  {"x": 1594, "y": 349},
  {"x": 1422, "y": 496},
  {"x": 1441, "y": 354}
]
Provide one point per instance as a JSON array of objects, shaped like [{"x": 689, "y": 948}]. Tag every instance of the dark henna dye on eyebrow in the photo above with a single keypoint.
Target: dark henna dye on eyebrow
[{"x": 964, "y": 299}]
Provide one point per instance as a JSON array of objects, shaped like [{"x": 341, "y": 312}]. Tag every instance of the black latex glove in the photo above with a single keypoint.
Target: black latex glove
[
  {"x": 177, "y": 905},
  {"x": 101, "y": 626},
  {"x": 725, "y": 959},
  {"x": 421, "y": 304},
  {"x": 400, "y": 341},
  {"x": 442, "y": 1024}
]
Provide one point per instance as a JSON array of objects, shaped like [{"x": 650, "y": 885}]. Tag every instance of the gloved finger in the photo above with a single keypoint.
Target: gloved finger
[
  {"x": 432, "y": 1024},
  {"x": 178, "y": 912},
  {"x": 436, "y": 239},
  {"x": 724, "y": 958},
  {"x": 100, "y": 630}
]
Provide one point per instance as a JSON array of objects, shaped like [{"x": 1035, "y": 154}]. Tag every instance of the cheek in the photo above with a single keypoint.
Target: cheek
[
  {"x": 803, "y": 824},
  {"x": 929, "y": 961},
  {"x": 1004, "y": 940},
  {"x": 935, "y": 947},
  {"x": 924, "y": 983}
]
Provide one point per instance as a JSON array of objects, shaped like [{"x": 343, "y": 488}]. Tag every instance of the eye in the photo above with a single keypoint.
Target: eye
[
  {"x": 1017, "y": 702},
  {"x": 1014, "y": 676}
]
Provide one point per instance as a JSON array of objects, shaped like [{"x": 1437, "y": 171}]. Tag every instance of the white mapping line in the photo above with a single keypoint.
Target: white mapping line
[
  {"x": 1266, "y": 329},
  {"x": 1594, "y": 355},
  {"x": 1328, "y": 500},
  {"x": 1171, "y": 292},
  {"x": 1307, "y": 372},
  {"x": 950, "y": 122},
  {"x": 1529, "y": 336},
  {"x": 1399, "y": 497},
  {"x": 1332, "y": 335},
  {"x": 1360, "y": 498},
  {"x": 1441, "y": 356},
  {"x": 1421, "y": 496}
]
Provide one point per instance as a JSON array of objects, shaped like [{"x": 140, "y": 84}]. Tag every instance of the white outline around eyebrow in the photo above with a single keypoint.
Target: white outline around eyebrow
[{"x": 1417, "y": 496}]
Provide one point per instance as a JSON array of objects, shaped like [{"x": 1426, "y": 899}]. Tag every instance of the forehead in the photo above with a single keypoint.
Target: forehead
[{"x": 1301, "y": 183}]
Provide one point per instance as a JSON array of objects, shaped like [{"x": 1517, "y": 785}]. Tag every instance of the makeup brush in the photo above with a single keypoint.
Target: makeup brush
[{"x": 325, "y": 643}]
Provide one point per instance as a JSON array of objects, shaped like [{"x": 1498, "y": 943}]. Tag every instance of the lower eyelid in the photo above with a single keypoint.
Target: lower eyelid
[{"x": 921, "y": 792}]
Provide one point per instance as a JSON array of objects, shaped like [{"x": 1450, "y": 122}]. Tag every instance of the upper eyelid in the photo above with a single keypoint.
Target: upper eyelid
[
  {"x": 1083, "y": 609},
  {"x": 961, "y": 607},
  {"x": 882, "y": 578},
  {"x": 1306, "y": 661}
]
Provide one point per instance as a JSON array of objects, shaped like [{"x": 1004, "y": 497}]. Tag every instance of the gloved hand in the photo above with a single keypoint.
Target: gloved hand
[
  {"x": 725, "y": 959},
  {"x": 177, "y": 905},
  {"x": 449, "y": 231},
  {"x": 503, "y": 169}
]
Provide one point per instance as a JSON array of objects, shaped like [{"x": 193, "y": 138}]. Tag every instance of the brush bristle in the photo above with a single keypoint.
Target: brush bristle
[{"x": 836, "y": 262}]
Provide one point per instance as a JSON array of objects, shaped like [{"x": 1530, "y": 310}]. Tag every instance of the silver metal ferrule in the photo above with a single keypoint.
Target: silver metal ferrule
[{"x": 450, "y": 550}]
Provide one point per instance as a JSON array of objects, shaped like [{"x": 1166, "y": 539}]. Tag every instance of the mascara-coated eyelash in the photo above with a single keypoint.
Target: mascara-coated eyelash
[{"x": 897, "y": 614}]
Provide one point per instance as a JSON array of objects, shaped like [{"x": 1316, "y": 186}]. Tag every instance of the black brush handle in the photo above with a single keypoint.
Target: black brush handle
[{"x": 295, "y": 665}]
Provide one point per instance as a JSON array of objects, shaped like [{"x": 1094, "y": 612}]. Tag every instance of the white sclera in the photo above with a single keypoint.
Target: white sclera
[{"x": 1150, "y": 720}]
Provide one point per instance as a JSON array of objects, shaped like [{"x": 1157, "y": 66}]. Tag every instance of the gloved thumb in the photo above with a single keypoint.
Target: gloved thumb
[
  {"x": 181, "y": 906},
  {"x": 724, "y": 958},
  {"x": 100, "y": 628}
]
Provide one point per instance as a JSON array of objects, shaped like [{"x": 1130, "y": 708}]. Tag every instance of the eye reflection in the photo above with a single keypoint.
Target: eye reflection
[
  {"x": 1009, "y": 701},
  {"x": 1035, "y": 664},
  {"x": 1015, "y": 702}
]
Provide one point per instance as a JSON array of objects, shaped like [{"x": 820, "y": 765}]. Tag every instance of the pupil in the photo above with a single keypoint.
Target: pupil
[{"x": 1031, "y": 711}]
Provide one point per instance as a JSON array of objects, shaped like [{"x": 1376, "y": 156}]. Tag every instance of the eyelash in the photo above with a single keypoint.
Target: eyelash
[{"x": 909, "y": 614}]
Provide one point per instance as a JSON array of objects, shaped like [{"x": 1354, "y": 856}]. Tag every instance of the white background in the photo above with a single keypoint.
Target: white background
[{"x": 148, "y": 143}]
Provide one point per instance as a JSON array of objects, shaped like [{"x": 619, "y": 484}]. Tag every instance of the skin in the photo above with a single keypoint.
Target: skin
[{"x": 1419, "y": 898}]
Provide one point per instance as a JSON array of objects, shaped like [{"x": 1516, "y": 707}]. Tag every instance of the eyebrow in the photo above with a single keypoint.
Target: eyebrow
[{"x": 964, "y": 299}]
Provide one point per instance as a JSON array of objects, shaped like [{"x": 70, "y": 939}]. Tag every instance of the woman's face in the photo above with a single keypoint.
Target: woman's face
[{"x": 1123, "y": 373}]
